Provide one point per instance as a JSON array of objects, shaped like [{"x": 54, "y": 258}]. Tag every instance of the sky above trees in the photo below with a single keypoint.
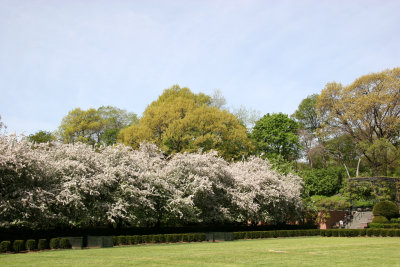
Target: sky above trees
[{"x": 265, "y": 55}]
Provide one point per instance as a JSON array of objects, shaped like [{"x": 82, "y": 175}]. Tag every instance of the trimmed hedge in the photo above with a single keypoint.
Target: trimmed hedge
[
  {"x": 55, "y": 243},
  {"x": 380, "y": 219},
  {"x": 5, "y": 246},
  {"x": 384, "y": 225},
  {"x": 18, "y": 245},
  {"x": 42, "y": 244},
  {"x": 30, "y": 244},
  {"x": 160, "y": 238},
  {"x": 65, "y": 244},
  {"x": 318, "y": 232}
]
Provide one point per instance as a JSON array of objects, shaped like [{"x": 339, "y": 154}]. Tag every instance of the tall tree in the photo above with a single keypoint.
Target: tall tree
[
  {"x": 180, "y": 120},
  {"x": 42, "y": 137},
  {"x": 306, "y": 114},
  {"x": 276, "y": 134},
  {"x": 95, "y": 126},
  {"x": 367, "y": 110}
]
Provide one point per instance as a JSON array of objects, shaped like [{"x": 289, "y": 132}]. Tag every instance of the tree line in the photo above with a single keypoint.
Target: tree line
[{"x": 344, "y": 131}]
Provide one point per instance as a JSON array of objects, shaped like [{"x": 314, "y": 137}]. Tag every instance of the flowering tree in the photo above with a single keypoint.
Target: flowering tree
[
  {"x": 264, "y": 195},
  {"x": 48, "y": 185}
]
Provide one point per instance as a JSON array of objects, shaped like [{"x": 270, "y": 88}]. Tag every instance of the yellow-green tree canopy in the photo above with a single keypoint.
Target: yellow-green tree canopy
[
  {"x": 367, "y": 110},
  {"x": 95, "y": 126},
  {"x": 180, "y": 120}
]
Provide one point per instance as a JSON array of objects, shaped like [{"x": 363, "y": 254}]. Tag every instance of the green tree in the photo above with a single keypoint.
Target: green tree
[
  {"x": 366, "y": 110},
  {"x": 95, "y": 126},
  {"x": 306, "y": 114},
  {"x": 42, "y": 137},
  {"x": 180, "y": 121},
  {"x": 276, "y": 134}
]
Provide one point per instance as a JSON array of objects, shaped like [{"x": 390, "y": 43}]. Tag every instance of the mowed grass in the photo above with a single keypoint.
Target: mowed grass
[{"x": 299, "y": 251}]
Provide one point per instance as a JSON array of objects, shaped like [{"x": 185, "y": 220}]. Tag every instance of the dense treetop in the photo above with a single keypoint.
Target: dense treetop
[{"x": 180, "y": 121}]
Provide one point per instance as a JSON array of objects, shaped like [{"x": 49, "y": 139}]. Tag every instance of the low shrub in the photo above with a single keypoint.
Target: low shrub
[
  {"x": 162, "y": 238},
  {"x": 135, "y": 239},
  {"x": 115, "y": 240},
  {"x": 65, "y": 244},
  {"x": 55, "y": 243},
  {"x": 18, "y": 245},
  {"x": 395, "y": 220},
  {"x": 387, "y": 209},
  {"x": 121, "y": 240},
  {"x": 147, "y": 238},
  {"x": 376, "y": 232},
  {"x": 369, "y": 232},
  {"x": 30, "y": 244},
  {"x": 42, "y": 244},
  {"x": 384, "y": 225},
  {"x": 5, "y": 246},
  {"x": 380, "y": 219}
]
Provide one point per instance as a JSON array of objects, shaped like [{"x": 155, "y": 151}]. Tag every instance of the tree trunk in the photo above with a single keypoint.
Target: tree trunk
[
  {"x": 347, "y": 170},
  {"x": 358, "y": 167}
]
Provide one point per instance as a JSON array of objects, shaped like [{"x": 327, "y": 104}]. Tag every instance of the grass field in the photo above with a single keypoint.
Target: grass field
[{"x": 300, "y": 251}]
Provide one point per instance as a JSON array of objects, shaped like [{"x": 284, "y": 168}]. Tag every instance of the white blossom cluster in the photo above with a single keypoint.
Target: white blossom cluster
[{"x": 43, "y": 186}]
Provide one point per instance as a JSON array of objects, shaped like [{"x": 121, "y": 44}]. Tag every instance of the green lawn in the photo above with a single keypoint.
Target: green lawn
[{"x": 299, "y": 251}]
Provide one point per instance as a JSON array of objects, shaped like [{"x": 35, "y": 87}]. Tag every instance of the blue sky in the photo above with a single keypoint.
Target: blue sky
[{"x": 263, "y": 55}]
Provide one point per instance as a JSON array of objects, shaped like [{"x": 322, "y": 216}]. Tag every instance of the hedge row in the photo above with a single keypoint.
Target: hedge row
[
  {"x": 318, "y": 232},
  {"x": 384, "y": 225},
  {"x": 31, "y": 245},
  {"x": 162, "y": 238}
]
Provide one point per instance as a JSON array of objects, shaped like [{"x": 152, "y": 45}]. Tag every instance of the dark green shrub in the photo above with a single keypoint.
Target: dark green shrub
[
  {"x": 397, "y": 232},
  {"x": 328, "y": 232},
  {"x": 363, "y": 232},
  {"x": 129, "y": 240},
  {"x": 115, "y": 240},
  {"x": 5, "y": 246},
  {"x": 139, "y": 239},
  {"x": 64, "y": 243},
  {"x": 55, "y": 243},
  {"x": 301, "y": 232},
  {"x": 369, "y": 232},
  {"x": 391, "y": 232},
  {"x": 121, "y": 240},
  {"x": 134, "y": 239},
  {"x": 42, "y": 244},
  {"x": 147, "y": 238},
  {"x": 274, "y": 234},
  {"x": 202, "y": 237},
  {"x": 395, "y": 220},
  {"x": 335, "y": 232},
  {"x": 18, "y": 245},
  {"x": 380, "y": 219},
  {"x": 162, "y": 238},
  {"x": 387, "y": 209},
  {"x": 30, "y": 244},
  {"x": 185, "y": 237},
  {"x": 283, "y": 233},
  {"x": 156, "y": 239},
  {"x": 376, "y": 232},
  {"x": 168, "y": 238}
]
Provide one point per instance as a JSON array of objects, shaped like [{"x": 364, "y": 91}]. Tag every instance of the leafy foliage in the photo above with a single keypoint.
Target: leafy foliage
[
  {"x": 380, "y": 219},
  {"x": 181, "y": 121},
  {"x": 42, "y": 137},
  {"x": 326, "y": 182},
  {"x": 330, "y": 203},
  {"x": 387, "y": 209},
  {"x": 276, "y": 134},
  {"x": 367, "y": 110}
]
